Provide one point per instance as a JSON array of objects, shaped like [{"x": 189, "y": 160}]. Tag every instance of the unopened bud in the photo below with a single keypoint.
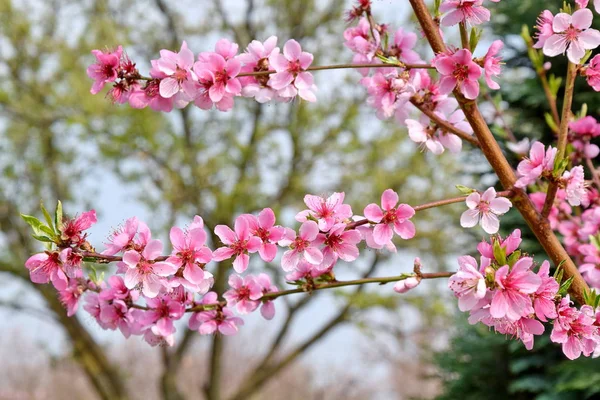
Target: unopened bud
[{"x": 405, "y": 285}]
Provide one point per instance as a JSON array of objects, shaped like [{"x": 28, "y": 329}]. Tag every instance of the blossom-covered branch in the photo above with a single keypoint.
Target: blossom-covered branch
[{"x": 436, "y": 100}]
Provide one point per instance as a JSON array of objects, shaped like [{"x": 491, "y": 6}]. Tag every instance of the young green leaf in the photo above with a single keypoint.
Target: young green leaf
[
  {"x": 499, "y": 253},
  {"x": 58, "y": 217},
  {"x": 33, "y": 222},
  {"x": 47, "y": 216}
]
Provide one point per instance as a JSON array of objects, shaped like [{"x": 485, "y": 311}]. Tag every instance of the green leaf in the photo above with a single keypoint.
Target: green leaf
[
  {"x": 554, "y": 83},
  {"x": 564, "y": 288},
  {"x": 583, "y": 112},
  {"x": 560, "y": 165},
  {"x": 587, "y": 56},
  {"x": 514, "y": 257},
  {"x": 499, "y": 253},
  {"x": 595, "y": 240},
  {"x": 58, "y": 217},
  {"x": 550, "y": 121},
  {"x": 48, "y": 231},
  {"x": 47, "y": 216},
  {"x": 43, "y": 238},
  {"x": 465, "y": 189},
  {"x": 474, "y": 37},
  {"x": 33, "y": 222}
]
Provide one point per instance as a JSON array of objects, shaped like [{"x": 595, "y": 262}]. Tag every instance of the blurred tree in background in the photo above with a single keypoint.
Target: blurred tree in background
[
  {"x": 59, "y": 142},
  {"x": 479, "y": 363}
]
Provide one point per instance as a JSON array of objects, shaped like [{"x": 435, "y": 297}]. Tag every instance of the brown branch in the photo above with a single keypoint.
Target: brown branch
[
  {"x": 493, "y": 153},
  {"x": 345, "y": 66},
  {"x": 563, "y": 132}
]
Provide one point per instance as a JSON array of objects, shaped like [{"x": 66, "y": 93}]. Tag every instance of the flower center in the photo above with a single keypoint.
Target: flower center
[
  {"x": 389, "y": 216},
  {"x": 299, "y": 244},
  {"x": 461, "y": 72},
  {"x": 572, "y": 33},
  {"x": 294, "y": 67}
]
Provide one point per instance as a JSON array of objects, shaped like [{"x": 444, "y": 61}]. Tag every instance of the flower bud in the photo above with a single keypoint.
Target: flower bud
[{"x": 405, "y": 285}]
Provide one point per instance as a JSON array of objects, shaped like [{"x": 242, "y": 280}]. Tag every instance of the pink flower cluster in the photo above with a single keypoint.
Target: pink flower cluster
[
  {"x": 215, "y": 78},
  {"x": 173, "y": 284},
  {"x": 392, "y": 87},
  {"x": 502, "y": 291}
]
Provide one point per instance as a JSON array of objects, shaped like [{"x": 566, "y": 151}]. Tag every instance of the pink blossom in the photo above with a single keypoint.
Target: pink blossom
[
  {"x": 190, "y": 254},
  {"x": 458, "y": 70},
  {"x": 592, "y": 73},
  {"x": 149, "y": 95},
  {"x": 71, "y": 263},
  {"x": 72, "y": 230},
  {"x": 582, "y": 3},
  {"x": 177, "y": 70},
  {"x": 485, "y": 209},
  {"x": 327, "y": 212},
  {"x": 543, "y": 298},
  {"x": 575, "y": 189},
  {"x": 238, "y": 243},
  {"x": 340, "y": 243},
  {"x": 467, "y": 11},
  {"x": 133, "y": 234},
  {"x": 525, "y": 329},
  {"x": 117, "y": 290},
  {"x": 267, "y": 310},
  {"x": 163, "y": 311},
  {"x": 591, "y": 264},
  {"x": 305, "y": 271},
  {"x": 582, "y": 131},
  {"x": 388, "y": 91},
  {"x": 143, "y": 270},
  {"x": 402, "y": 47},
  {"x": 214, "y": 78},
  {"x": 520, "y": 148},
  {"x": 70, "y": 296},
  {"x": 434, "y": 137},
  {"x": 572, "y": 33},
  {"x": 511, "y": 297},
  {"x": 540, "y": 161},
  {"x": 491, "y": 64},
  {"x": 243, "y": 293},
  {"x": 106, "y": 68},
  {"x": 391, "y": 219},
  {"x": 404, "y": 285},
  {"x": 575, "y": 330},
  {"x": 424, "y": 134},
  {"x": 219, "y": 319},
  {"x": 46, "y": 267},
  {"x": 264, "y": 228},
  {"x": 290, "y": 77},
  {"x": 157, "y": 340},
  {"x": 544, "y": 28},
  {"x": 302, "y": 247},
  {"x": 366, "y": 233},
  {"x": 359, "y": 40},
  {"x": 93, "y": 305},
  {"x": 509, "y": 245},
  {"x": 255, "y": 59},
  {"x": 468, "y": 284},
  {"x": 116, "y": 314}
]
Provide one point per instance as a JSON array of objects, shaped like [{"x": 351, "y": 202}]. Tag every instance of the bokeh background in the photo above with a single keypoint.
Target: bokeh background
[{"x": 57, "y": 141}]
